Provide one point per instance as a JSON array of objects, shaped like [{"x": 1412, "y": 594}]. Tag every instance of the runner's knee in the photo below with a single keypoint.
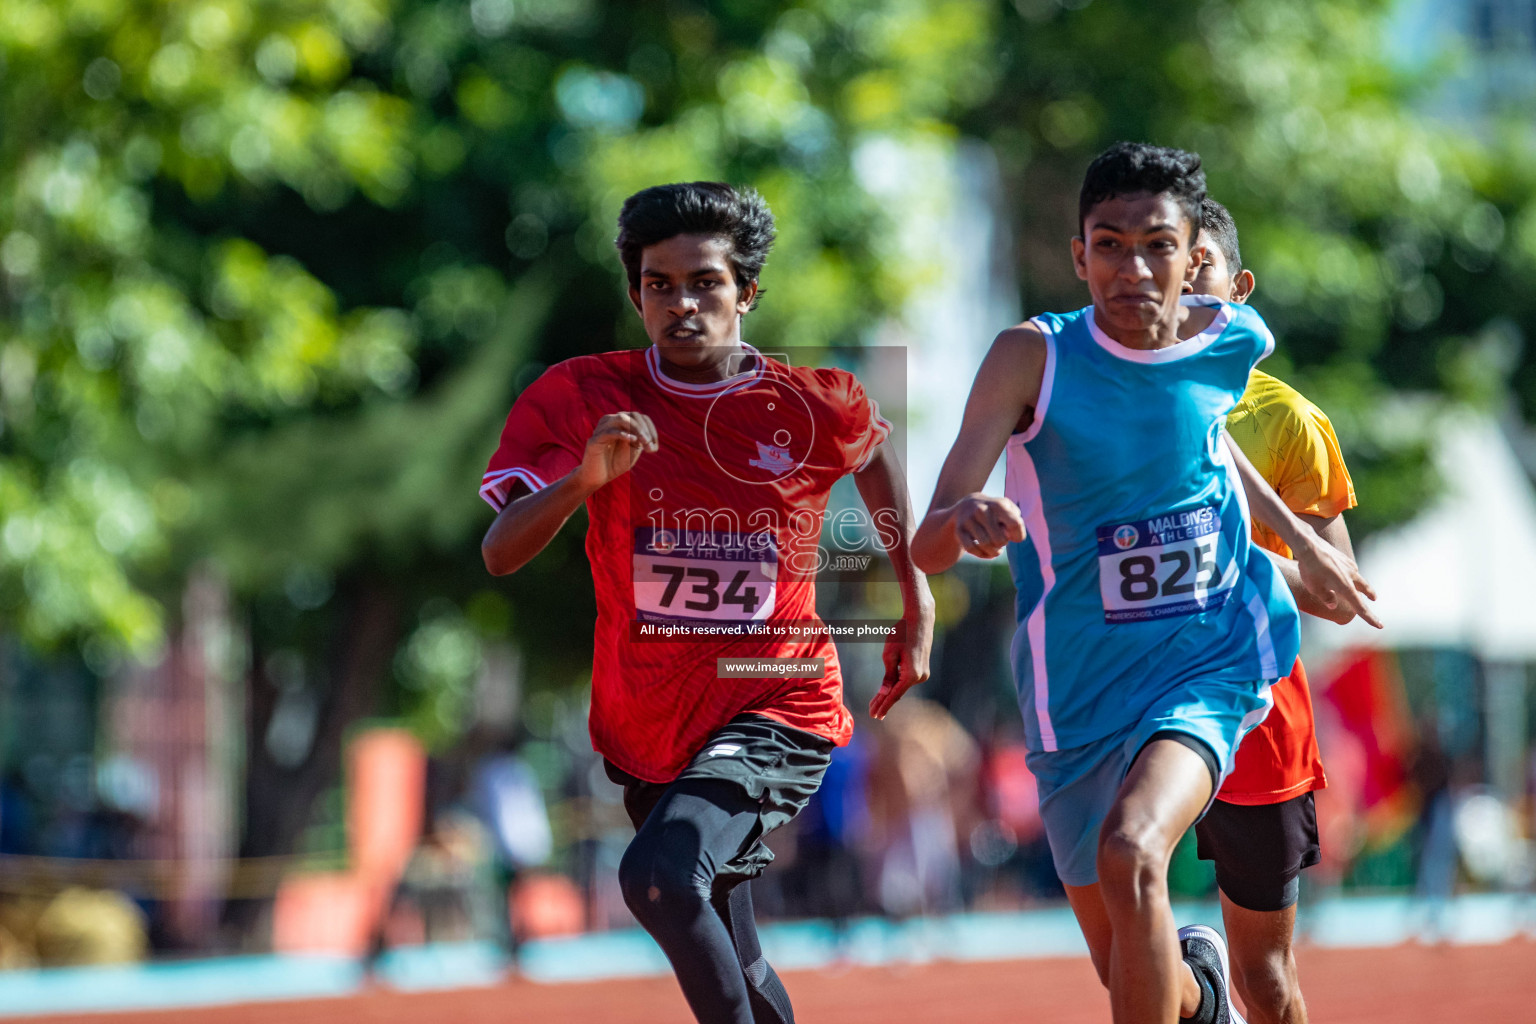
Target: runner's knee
[
  {"x": 1267, "y": 983},
  {"x": 654, "y": 883},
  {"x": 1132, "y": 860}
]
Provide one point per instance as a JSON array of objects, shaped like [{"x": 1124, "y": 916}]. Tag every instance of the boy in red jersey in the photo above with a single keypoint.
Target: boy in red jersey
[
  {"x": 705, "y": 467},
  {"x": 1262, "y": 829}
]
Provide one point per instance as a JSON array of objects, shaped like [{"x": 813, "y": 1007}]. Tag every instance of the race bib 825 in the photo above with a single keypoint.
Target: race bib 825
[{"x": 1174, "y": 564}]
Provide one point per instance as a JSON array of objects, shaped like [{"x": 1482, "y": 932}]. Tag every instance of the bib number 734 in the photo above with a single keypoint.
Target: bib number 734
[
  {"x": 1173, "y": 564},
  {"x": 703, "y": 592}
]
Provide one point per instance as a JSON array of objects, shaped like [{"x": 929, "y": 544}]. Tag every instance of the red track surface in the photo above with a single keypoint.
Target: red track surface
[{"x": 1403, "y": 985}]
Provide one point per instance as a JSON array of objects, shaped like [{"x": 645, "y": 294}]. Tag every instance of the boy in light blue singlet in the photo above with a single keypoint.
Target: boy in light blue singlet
[
  {"x": 1149, "y": 628},
  {"x": 1153, "y": 563}
]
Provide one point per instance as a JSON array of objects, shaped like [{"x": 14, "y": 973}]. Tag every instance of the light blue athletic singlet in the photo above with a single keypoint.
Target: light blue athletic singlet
[{"x": 1137, "y": 573}]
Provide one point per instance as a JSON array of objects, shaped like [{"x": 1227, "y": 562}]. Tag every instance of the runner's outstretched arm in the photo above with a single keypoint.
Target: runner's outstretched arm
[
  {"x": 1333, "y": 531},
  {"x": 1002, "y": 401},
  {"x": 883, "y": 486},
  {"x": 530, "y": 521},
  {"x": 1329, "y": 574}
]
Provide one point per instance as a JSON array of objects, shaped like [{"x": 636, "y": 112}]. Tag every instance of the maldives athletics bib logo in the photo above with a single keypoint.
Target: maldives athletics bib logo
[{"x": 1126, "y": 537}]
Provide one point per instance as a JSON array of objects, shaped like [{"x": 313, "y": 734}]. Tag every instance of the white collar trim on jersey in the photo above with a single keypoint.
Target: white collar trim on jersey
[
  {"x": 707, "y": 390},
  {"x": 1181, "y": 350}
]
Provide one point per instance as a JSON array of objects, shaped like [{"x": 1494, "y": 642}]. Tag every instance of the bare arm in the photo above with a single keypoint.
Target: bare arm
[
  {"x": 1327, "y": 573},
  {"x": 1002, "y": 400},
  {"x": 1333, "y": 531},
  {"x": 529, "y": 521},
  {"x": 883, "y": 486}
]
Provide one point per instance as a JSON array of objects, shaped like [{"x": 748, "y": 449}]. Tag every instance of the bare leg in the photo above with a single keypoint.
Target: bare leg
[
  {"x": 1162, "y": 795},
  {"x": 1093, "y": 919},
  {"x": 1263, "y": 965}
]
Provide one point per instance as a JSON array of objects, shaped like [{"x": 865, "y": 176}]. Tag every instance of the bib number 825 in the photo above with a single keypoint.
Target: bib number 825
[{"x": 1139, "y": 573}]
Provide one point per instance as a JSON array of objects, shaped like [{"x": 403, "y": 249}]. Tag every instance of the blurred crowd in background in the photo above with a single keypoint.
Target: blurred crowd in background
[{"x": 514, "y": 832}]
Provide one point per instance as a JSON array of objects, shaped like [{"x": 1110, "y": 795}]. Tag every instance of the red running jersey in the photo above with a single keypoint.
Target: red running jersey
[{"x": 720, "y": 526}]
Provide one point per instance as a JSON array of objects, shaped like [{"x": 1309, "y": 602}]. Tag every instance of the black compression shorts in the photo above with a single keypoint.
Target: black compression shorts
[{"x": 1260, "y": 850}]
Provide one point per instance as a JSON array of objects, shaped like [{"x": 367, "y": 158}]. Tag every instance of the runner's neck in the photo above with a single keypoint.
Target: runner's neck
[
  {"x": 734, "y": 361},
  {"x": 1188, "y": 321}
]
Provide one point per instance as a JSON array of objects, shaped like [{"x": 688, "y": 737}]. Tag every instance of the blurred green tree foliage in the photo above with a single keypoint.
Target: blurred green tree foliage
[
  {"x": 1394, "y": 248},
  {"x": 271, "y": 269},
  {"x": 271, "y": 272}
]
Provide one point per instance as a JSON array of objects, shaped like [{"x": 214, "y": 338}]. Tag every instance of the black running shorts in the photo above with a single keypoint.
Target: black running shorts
[
  {"x": 1259, "y": 851},
  {"x": 777, "y": 766}
]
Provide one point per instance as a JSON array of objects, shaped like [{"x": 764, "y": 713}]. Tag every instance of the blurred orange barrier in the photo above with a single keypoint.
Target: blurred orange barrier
[
  {"x": 386, "y": 801},
  {"x": 543, "y": 906},
  {"x": 330, "y": 912}
]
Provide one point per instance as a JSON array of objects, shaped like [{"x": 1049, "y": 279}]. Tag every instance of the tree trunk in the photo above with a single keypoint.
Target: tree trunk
[{"x": 279, "y": 800}]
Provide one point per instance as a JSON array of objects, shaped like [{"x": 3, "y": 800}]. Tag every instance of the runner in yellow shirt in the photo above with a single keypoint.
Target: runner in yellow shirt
[
  {"x": 1262, "y": 829},
  {"x": 1291, "y": 443}
]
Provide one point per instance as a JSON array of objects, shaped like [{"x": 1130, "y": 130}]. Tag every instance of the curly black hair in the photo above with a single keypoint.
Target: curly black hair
[
  {"x": 661, "y": 212},
  {"x": 1216, "y": 221},
  {"x": 1128, "y": 168}
]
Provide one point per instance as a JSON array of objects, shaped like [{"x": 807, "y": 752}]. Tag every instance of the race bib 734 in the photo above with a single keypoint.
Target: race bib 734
[
  {"x": 702, "y": 574},
  {"x": 1174, "y": 564}
]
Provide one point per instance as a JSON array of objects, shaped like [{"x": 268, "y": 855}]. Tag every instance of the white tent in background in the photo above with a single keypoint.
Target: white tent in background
[{"x": 1463, "y": 573}]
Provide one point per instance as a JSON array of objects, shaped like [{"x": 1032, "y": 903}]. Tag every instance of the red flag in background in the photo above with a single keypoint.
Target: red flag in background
[{"x": 1364, "y": 707}]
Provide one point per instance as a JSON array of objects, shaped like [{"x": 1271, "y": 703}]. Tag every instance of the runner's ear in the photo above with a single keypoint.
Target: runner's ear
[
  {"x": 1196, "y": 261},
  {"x": 746, "y": 297},
  {"x": 1242, "y": 286}
]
